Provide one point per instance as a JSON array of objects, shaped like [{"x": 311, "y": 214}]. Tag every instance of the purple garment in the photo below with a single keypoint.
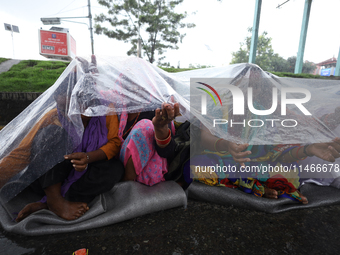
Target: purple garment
[{"x": 94, "y": 137}]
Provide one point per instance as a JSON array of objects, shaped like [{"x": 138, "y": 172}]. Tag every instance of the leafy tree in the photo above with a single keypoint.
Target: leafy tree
[
  {"x": 307, "y": 67},
  {"x": 264, "y": 54},
  {"x": 266, "y": 58},
  {"x": 155, "y": 21},
  {"x": 279, "y": 64},
  {"x": 291, "y": 64}
]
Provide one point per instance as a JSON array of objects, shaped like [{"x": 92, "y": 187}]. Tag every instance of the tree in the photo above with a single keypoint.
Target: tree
[
  {"x": 307, "y": 67},
  {"x": 279, "y": 64},
  {"x": 153, "y": 21},
  {"x": 266, "y": 58},
  {"x": 264, "y": 54}
]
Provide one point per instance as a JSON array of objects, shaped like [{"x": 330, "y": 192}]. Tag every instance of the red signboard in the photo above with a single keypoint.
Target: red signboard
[{"x": 52, "y": 42}]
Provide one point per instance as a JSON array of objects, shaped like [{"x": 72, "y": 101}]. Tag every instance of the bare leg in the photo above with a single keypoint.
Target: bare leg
[
  {"x": 29, "y": 209},
  {"x": 130, "y": 172},
  {"x": 304, "y": 200},
  {"x": 61, "y": 207},
  {"x": 270, "y": 193}
]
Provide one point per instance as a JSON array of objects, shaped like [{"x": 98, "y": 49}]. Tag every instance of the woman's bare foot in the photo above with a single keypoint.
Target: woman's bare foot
[
  {"x": 61, "y": 207},
  {"x": 29, "y": 209},
  {"x": 304, "y": 200},
  {"x": 270, "y": 193},
  {"x": 66, "y": 209}
]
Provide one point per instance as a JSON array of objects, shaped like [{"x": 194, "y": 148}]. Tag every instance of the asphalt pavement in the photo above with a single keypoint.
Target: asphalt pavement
[
  {"x": 202, "y": 228},
  {"x": 6, "y": 65}
]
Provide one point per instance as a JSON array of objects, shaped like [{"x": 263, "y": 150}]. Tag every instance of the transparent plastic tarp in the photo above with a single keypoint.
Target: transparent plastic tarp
[
  {"x": 111, "y": 85},
  {"x": 247, "y": 105},
  {"x": 96, "y": 86},
  {"x": 258, "y": 108}
]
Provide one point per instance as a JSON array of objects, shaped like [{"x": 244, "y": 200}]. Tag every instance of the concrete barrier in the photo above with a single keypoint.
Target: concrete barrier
[{"x": 13, "y": 103}]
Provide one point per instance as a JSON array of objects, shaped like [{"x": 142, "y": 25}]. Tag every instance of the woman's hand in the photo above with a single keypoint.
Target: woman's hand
[
  {"x": 89, "y": 67},
  {"x": 326, "y": 151},
  {"x": 236, "y": 150},
  {"x": 79, "y": 160},
  {"x": 213, "y": 143},
  {"x": 163, "y": 117}
]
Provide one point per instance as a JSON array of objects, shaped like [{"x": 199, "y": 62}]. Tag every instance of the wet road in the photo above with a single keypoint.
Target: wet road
[{"x": 201, "y": 229}]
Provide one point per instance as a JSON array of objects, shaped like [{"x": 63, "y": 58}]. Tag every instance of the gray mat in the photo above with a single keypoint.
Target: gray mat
[
  {"x": 316, "y": 195},
  {"x": 128, "y": 200},
  {"x": 125, "y": 201}
]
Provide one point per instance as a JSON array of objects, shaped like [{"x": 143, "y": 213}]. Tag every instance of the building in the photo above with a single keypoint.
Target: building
[{"x": 326, "y": 68}]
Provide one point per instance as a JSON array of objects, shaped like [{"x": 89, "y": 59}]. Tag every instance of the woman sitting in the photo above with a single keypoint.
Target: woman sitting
[
  {"x": 147, "y": 145},
  {"x": 91, "y": 169},
  {"x": 247, "y": 166}
]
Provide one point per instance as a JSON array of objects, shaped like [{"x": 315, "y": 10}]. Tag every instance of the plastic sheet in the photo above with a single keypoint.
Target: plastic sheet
[
  {"x": 112, "y": 85},
  {"x": 260, "y": 108}
]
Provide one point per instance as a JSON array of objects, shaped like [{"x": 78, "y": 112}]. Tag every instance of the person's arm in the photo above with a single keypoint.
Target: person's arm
[
  {"x": 108, "y": 151},
  {"x": 111, "y": 148},
  {"x": 165, "y": 145},
  {"x": 80, "y": 160},
  {"x": 213, "y": 143},
  {"x": 161, "y": 121},
  {"x": 326, "y": 151}
]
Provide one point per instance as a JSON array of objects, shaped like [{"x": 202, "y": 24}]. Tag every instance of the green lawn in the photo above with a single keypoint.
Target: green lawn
[
  {"x": 175, "y": 70},
  {"x": 38, "y": 75},
  {"x": 31, "y": 76},
  {"x": 304, "y": 75},
  {"x": 3, "y": 60}
]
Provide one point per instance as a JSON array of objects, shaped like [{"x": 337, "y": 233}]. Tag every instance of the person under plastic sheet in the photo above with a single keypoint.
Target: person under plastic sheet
[
  {"x": 90, "y": 170},
  {"x": 147, "y": 144},
  {"x": 240, "y": 165},
  {"x": 141, "y": 133},
  {"x": 233, "y": 157}
]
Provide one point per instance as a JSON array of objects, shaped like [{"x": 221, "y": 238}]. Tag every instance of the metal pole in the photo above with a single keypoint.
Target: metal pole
[
  {"x": 303, "y": 35},
  {"x": 337, "y": 68},
  {"x": 255, "y": 32},
  {"x": 139, "y": 46},
  {"x": 13, "y": 43},
  {"x": 91, "y": 29}
]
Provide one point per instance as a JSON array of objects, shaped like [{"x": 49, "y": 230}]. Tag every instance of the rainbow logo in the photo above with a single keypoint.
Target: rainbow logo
[{"x": 209, "y": 93}]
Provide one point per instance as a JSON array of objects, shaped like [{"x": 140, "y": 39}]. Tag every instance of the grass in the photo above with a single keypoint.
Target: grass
[
  {"x": 38, "y": 75},
  {"x": 305, "y": 75},
  {"x": 31, "y": 76},
  {"x": 175, "y": 70},
  {"x": 3, "y": 60}
]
